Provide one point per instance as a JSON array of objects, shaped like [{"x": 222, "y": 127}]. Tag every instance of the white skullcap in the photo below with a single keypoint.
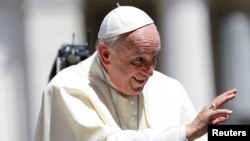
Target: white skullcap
[{"x": 121, "y": 20}]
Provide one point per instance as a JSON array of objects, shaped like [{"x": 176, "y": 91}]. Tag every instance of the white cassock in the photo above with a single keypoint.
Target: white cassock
[{"x": 82, "y": 104}]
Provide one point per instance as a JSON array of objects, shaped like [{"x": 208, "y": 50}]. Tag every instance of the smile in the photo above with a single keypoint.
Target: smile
[{"x": 141, "y": 79}]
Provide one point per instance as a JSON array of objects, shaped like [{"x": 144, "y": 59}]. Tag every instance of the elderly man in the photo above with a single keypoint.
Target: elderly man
[{"x": 116, "y": 94}]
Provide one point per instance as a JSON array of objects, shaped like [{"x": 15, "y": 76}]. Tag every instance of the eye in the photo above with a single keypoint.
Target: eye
[
  {"x": 154, "y": 61},
  {"x": 138, "y": 61}
]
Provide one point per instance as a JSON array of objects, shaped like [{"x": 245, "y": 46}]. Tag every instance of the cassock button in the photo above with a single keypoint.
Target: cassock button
[
  {"x": 132, "y": 117},
  {"x": 132, "y": 102}
]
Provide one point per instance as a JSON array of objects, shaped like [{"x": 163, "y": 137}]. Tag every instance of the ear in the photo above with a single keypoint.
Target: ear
[{"x": 104, "y": 53}]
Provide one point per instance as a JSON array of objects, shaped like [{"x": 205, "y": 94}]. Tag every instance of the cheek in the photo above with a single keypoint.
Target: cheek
[
  {"x": 126, "y": 70},
  {"x": 123, "y": 68}
]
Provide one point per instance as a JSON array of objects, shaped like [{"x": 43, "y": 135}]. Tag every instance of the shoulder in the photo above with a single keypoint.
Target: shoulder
[
  {"x": 163, "y": 80},
  {"x": 73, "y": 77},
  {"x": 69, "y": 76},
  {"x": 165, "y": 86},
  {"x": 75, "y": 74}
]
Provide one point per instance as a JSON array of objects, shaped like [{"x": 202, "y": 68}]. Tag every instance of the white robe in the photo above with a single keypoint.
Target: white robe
[{"x": 76, "y": 107}]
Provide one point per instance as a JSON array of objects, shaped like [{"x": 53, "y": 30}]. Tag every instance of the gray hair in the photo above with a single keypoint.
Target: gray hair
[{"x": 113, "y": 42}]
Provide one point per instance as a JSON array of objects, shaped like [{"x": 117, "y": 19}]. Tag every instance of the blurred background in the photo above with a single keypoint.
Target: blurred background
[{"x": 205, "y": 45}]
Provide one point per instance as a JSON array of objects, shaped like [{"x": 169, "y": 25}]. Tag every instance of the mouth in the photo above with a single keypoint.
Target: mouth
[{"x": 140, "y": 80}]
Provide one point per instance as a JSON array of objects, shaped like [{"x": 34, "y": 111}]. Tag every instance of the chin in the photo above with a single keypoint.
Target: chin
[
  {"x": 131, "y": 94},
  {"x": 137, "y": 91},
  {"x": 132, "y": 91}
]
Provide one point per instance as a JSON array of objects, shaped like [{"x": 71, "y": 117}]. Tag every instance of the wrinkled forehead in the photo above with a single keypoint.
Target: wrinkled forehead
[
  {"x": 146, "y": 37},
  {"x": 140, "y": 46}
]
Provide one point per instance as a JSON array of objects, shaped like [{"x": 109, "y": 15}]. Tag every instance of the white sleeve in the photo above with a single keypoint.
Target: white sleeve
[
  {"x": 183, "y": 134},
  {"x": 184, "y": 138}
]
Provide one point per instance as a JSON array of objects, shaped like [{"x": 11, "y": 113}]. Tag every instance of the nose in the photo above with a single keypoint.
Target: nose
[{"x": 149, "y": 69}]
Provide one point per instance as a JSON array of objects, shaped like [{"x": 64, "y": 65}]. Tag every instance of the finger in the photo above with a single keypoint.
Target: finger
[
  {"x": 225, "y": 97},
  {"x": 218, "y": 112},
  {"x": 219, "y": 115},
  {"x": 220, "y": 119}
]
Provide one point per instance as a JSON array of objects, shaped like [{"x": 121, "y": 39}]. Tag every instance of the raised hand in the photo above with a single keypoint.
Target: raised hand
[{"x": 210, "y": 114}]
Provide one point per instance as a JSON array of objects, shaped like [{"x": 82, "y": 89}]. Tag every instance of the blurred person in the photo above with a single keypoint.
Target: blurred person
[{"x": 116, "y": 94}]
